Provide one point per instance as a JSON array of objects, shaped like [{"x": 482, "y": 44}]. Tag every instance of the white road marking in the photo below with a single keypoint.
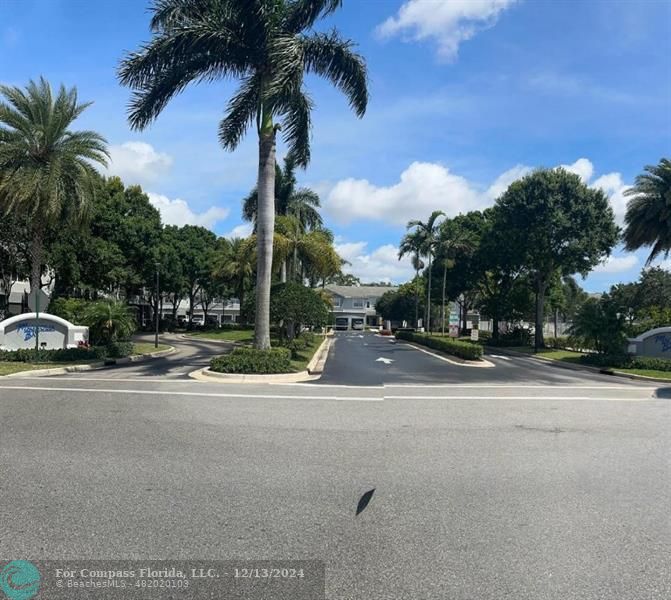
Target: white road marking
[
  {"x": 500, "y": 356},
  {"x": 199, "y": 394},
  {"x": 386, "y": 361},
  {"x": 541, "y": 398}
]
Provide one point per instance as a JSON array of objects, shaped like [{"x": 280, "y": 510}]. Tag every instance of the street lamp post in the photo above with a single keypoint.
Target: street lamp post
[{"x": 158, "y": 314}]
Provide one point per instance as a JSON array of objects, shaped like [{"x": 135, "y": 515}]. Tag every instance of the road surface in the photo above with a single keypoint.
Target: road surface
[{"x": 518, "y": 481}]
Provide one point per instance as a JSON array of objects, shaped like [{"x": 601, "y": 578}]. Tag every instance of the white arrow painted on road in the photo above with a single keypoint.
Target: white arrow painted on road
[
  {"x": 386, "y": 361},
  {"x": 500, "y": 356}
]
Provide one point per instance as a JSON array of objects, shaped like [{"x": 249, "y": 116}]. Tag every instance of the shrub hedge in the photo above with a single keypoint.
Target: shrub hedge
[
  {"x": 30, "y": 355},
  {"x": 627, "y": 362},
  {"x": 251, "y": 360},
  {"x": 466, "y": 350}
]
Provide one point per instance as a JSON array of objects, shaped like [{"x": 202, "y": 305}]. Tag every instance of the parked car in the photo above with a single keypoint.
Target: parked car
[
  {"x": 358, "y": 324},
  {"x": 198, "y": 320},
  {"x": 341, "y": 323}
]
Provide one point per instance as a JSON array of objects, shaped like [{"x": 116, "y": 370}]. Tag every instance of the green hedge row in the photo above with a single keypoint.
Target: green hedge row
[
  {"x": 466, "y": 350},
  {"x": 251, "y": 360},
  {"x": 627, "y": 362},
  {"x": 300, "y": 343},
  {"x": 30, "y": 355}
]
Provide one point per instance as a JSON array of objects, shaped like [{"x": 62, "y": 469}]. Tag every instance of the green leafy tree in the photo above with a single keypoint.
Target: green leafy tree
[
  {"x": 199, "y": 250},
  {"x": 554, "y": 222},
  {"x": 172, "y": 253},
  {"x": 600, "y": 326},
  {"x": 46, "y": 170},
  {"x": 648, "y": 216},
  {"x": 14, "y": 255},
  {"x": 294, "y": 305},
  {"x": 269, "y": 45},
  {"x": 427, "y": 233},
  {"x": 399, "y": 305}
]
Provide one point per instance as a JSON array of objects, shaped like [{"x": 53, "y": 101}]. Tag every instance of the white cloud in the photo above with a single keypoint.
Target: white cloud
[
  {"x": 240, "y": 231},
  {"x": 425, "y": 187},
  {"x": 502, "y": 182},
  {"x": 447, "y": 23},
  {"x": 581, "y": 167},
  {"x": 615, "y": 188},
  {"x": 178, "y": 212},
  {"x": 138, "y": 163},
  {"x": 381, "y": 264},
  {"x": 617, "y": 264}
]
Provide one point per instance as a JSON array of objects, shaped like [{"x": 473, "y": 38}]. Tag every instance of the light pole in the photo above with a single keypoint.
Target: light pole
[{"x": 158, "y": 310}]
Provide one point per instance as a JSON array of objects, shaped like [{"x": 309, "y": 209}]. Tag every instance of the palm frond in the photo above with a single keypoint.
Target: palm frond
[{"x": 329, "y": 56}]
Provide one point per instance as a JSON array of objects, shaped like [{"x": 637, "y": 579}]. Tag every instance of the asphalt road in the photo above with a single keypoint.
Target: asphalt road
[
  {"x": 364, "y": 358},
  {"x": 506, "y": 487}
]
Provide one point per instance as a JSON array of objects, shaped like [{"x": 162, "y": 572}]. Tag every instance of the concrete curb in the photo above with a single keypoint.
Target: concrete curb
[
  {"x": 453, "y": 360},
  {"x": 112, "y": 362},
  {"x": 573, "y": 367},
  {"x": 316, "y": 364},
  {"x": 313, "y": 372},
  {"x": 206, "y": 375}
]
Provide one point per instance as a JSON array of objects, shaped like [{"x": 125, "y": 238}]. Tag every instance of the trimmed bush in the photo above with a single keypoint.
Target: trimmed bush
[
  {"x": 29, "y": 355},
  {"x": 251, "y": 360},
  {"x": 627, "y": 362},
  {"x": 119, "y": 349},
  {"x": 465, "y": 350}
]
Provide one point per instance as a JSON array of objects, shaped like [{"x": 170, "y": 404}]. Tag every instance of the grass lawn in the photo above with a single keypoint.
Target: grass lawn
[
  {"x": 305, "y": 356},
  {"x": 230, "y": 335},
  {"x": 148, "y": 348},
  {"x": 647, "y": 373},
  {"x": 7, "y": 368}
]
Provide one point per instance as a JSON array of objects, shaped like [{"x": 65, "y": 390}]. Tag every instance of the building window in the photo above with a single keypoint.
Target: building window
[
  {"x": 336, "y": 302},
  {"x": 367, "y": 303},
  {"x": 357, "y": 303}
]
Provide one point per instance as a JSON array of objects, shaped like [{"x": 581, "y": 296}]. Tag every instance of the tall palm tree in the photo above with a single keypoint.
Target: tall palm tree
[
  {"x": 648, "y": 217},
  {"x": 45, "y": 168},
  {"x": 411, "y": 243},
  {"x": 234, "y": 263},
  {"x": 304, "y": 250},
  {"x": 428, "y": 236},
  {"x": 302, "y": 203},
  {"x": 268, "y": 45}
]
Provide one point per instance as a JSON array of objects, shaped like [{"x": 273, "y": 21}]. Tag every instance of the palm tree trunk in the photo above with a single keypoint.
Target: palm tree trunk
[
  {"x": 444, "y": 282},
  {"x": 416, "y": 298},
  {"x": 295, "y": 261},
  {"x": 428, "y": 301},
  {"x": 36, "y": 258},
  {"x": 283, "y": 272},
  {"x": 265, "y": 226}
]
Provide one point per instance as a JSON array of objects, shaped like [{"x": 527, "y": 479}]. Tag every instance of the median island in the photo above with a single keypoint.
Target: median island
[{"x": 462, "y": 349}]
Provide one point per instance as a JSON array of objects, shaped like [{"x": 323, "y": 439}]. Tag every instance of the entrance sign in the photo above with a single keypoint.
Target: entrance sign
[
  {"x": 454, "y": 331},
  {"x": 475, "y": 335},
  {"x": 55, "y": 333},
  {"x": 655, "y": 343}
]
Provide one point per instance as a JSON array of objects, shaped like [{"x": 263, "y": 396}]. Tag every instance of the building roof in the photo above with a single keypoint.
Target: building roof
[{"x": 359, "y": 291}]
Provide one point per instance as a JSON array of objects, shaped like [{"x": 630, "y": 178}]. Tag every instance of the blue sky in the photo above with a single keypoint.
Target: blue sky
[{"x": 466, "y": 95}]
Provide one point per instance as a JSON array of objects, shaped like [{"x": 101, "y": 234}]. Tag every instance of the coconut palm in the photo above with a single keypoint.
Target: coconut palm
[
  {"x": 428, "y": 238},
  {"x": 234, "y": 263},
  {"x": 648, "y": 216},
  {"x": 45, "y": 168},
  {"x": 411, "y": 243},
  {"x": 302, "y": 203},
  {"x": 268, "y": 45}
]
